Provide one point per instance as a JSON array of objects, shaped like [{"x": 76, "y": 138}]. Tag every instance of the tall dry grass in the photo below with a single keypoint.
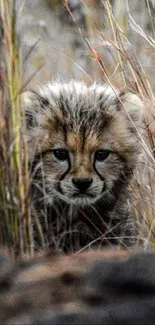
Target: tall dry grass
[
  {"x": 16, "y": 215},
  {"x": 128, "y": 72}
]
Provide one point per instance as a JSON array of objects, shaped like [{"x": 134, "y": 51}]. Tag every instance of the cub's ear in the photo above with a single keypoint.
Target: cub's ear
[
  {"x": 34, "y": 106},
  {"x": 133, "y": 106},
  {"x": 31, "y": 105}
]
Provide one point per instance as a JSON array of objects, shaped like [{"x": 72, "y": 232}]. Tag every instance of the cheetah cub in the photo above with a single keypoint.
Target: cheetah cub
[{"x": 83, "y": 149}]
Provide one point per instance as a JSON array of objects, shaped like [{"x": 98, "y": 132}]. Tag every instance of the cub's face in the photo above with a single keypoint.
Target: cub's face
[
  {"x": 82, "y": 144},
  {"x": 77, "y": 171}
]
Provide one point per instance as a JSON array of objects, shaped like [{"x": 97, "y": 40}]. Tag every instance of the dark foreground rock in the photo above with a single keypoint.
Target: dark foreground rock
[{"x": 100, "y": 287}]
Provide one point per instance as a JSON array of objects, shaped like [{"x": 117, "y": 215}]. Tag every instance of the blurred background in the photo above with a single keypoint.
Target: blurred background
[{"x": 52, "y": 45}]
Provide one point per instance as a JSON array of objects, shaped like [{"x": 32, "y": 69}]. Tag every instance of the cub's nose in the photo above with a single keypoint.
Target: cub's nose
[{"x": 82, "y": 184}]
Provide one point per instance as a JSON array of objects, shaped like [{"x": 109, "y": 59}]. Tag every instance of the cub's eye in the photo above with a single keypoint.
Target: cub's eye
[
  {"x": 101, "y": 155},
  {"x": 61, "y": 154}
]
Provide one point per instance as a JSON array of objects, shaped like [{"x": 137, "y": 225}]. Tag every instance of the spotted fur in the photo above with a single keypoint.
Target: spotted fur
[{"x": 96, "y": 128}]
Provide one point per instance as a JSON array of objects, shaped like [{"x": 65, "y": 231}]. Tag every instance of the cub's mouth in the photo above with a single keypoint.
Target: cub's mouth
[
  {"x": 83, "y": 195},
  {"x": 80, "y": 199},
  {"x": 84, "y": 199}
]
